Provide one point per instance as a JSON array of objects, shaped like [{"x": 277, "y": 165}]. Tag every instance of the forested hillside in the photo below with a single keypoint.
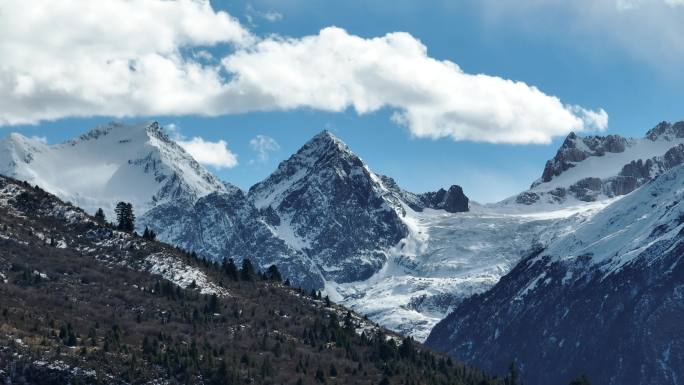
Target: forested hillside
[{"x": 81, "y": 302}]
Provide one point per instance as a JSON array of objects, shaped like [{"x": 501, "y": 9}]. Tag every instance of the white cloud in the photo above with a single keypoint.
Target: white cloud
[
  {"x": 334, "y": 71},
  {"x": 272, "y": 16},
  {"x": 251, "y": 13},
  {"x": 208, "y": 153},
  {"x": 263, "y": 145},
  {"x": 107, "y": 57},
  {"x": 123, "y": 58}
]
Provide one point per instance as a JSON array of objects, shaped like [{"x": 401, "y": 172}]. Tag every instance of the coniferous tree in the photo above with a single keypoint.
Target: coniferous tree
[
  {"x": 230, "y": 269},
  {"x": 100, "y": 216},
  {"x": 149, "y": 234},
  {"x": 125, "y": 216},
  {"x": 513, "y": 375},
  {"x": 273, "y": 274},
  {"x": 247, "y": 272}
]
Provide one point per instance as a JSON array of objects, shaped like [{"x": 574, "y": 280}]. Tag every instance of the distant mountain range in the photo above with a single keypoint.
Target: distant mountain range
[
  {"x": 587, "y": 254},
  {"x": 323, "y": 216}
]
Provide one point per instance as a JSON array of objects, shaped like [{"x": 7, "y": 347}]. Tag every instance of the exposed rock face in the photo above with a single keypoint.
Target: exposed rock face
[
  {"x": 527, "y": 198},
  {"x": 226, "y": 225},
  {"x": 667, "y": 131},
  {"x": 323, "y": 215},
  {"x": 587, "y": 189},
  {"x": 576, "y": 149},
  {"x": 598, "y": 167},
  {"x": 605, "y": 300},
  {"x": 332, "y": 208},
  {"x": 453, "y": 200}
]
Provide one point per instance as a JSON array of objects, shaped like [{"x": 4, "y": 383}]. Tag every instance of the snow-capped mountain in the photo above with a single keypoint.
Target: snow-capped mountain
[
  {"x": 325, "y": 202},
  {"x": 323, "y": 217},
  {"x": 592, "y": 168},
  {"x": 226, "y": 225},
  {"x": 328, "y": 221},
  {"x": 111, "y": 163},
  {"x": 604, "y": 299}
]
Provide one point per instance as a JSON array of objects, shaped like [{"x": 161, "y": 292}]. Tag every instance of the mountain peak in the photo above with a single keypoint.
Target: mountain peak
[
  {"x": 325, "y": 202},
  {"x": 666, "y": 131},
  {"x": 136, "y": 163},
  {"x": 326, "y": 134},
  {"x": 123, "y": 132},
  {"x": 323, "y": 143}
]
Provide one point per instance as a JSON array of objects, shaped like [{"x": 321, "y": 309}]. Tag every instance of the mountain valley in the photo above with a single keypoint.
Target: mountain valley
[{"x": 503, "y": 282}]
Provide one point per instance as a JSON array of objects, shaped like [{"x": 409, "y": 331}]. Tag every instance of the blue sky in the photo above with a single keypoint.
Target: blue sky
[{"x": 553, "y": 47}]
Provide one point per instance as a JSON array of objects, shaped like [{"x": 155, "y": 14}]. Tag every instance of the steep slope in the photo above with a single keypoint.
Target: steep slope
[
  {"x": 325, "y": 202},
  {"x": 606, "y": 299},
  {"x": 226, "y": 225},
  {"x": 111, "y": 163},
  {"x": 448, "y": 257},
  {"x": 82, "y": 303},
  {"x": 327, "y": 220},
  {"x": 592, "y": 168},
  {"x": 172, "y": 194}
]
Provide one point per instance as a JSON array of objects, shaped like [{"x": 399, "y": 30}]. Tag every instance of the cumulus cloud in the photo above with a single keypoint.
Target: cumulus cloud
[
  {"x": 263, "y": 145},
  {"x": 116, "y": 58},
  {"x": 334, "y": 71},
  {"x": 124, "y": 58},
  {"x": 208, "y": 153}
]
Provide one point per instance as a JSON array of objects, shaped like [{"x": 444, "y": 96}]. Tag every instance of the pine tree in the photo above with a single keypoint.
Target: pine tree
[
  {"x": 513, "y": 375},
  {"x": 273, "y": 274},
  {"x": 125, "y": 216},
  {"x": 213, "y": 305},
  {"x": 149, "y": 234},
  {"x": 247, "y": 273},
  {"x": 100, "y": 216},
  {"x": 230, "y": 269}
]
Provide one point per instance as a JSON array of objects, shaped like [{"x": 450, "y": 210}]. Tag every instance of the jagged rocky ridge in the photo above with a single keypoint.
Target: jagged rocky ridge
[
  {"x": 592, "y": 168},
  {"x": 323, "y": 215},
  {"x": 219, "y": 221},
  {"x": 327, "y": 204},
  {"x": 606, "y": 300},
  {"x": 336, "y": 222}
]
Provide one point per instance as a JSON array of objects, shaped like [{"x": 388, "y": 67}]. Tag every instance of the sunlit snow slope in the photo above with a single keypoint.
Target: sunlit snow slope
[
  {"x": 111, "y": 163},
  {"x": 448, "y": 257}
]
